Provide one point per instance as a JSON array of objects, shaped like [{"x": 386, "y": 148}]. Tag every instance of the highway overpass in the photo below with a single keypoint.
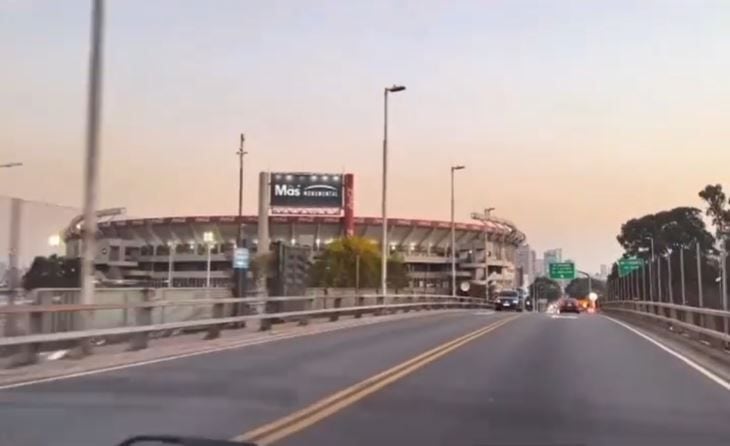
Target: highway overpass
[{"x": 458, "y": 377}]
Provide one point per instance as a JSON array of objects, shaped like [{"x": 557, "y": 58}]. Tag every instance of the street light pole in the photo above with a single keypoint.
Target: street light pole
[
  {"x": 170, "y": 263},
  {"x": 699, "y": 274},
  {"x": 384, "y": 201},
  {"x": 669, "y": 277},
  {"x": 93, "y": 124},
  {"x": 723, "y": 269},
  {"x": 453, "y": 233},
  {"x": 208, "y": 239},
  {"x": 241, "y": 153},
  {"x": 659, "y": 278},
  {"x": 681, "y": 267},
  {"x": 240, "y": 273},
  {"x": 651, "y": 270}
]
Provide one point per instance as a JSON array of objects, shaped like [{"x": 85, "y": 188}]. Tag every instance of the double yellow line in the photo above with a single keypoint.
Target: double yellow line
[{"x": 301, "y": 419}]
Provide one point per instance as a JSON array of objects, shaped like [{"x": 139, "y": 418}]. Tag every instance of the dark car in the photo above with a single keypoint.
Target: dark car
[
  {"x": 508, "y": 301},
  {"x": 569, "y": 305}
]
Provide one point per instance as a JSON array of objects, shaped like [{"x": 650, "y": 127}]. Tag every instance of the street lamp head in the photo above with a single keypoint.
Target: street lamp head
[
  {"x": 395, "y": 88},
  {"x": 458, "y": 167}
]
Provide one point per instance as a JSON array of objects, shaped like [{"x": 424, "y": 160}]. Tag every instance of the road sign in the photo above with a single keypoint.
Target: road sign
[
  {"x": 627, "y": 266},
  {"x": 240, "y": 258},
  {"x": 562, "y": 270}
]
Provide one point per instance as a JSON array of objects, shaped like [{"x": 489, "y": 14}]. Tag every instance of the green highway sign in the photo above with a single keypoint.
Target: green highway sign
[
  {"x": 562, "y": 270},
  {"x": 627, "y": 266}
]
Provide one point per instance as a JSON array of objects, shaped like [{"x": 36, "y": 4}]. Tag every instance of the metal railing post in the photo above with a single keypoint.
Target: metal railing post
[
  {"x": 143, "y": 316},
  {"x": 337, "y": 304}
]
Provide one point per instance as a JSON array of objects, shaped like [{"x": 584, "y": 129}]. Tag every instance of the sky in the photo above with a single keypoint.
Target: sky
[{"x": 571, "y": 117}]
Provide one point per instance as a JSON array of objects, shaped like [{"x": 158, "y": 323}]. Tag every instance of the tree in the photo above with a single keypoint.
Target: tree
[
  {"x": 545, "y": 288},
  {"x": 676, "y": 227},
  {"x": 52, "y": 272},
  {"x": 578, "y": 287},
  {"x": 337, "y": 265},
  {"x": 717, "y": 210},
  {"x": 397, "y": 273}
]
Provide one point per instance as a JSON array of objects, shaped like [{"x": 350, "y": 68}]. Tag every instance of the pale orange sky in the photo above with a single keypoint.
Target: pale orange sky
[{"x": 571, "y": 117}]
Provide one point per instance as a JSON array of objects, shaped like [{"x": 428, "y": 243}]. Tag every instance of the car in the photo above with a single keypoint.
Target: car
[
  {"x": 508, "y": 300},
  {"x": 569, "y": 305}
]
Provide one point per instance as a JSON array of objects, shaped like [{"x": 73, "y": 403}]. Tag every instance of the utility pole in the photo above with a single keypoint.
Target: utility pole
[
  {"x": 16, "y": 205},
  {"x": 93, "y": 124},
  {"x": 384, "y": 249},
  {"x": 240, "y": 273},
  {"x": 453, "y": 232},
  {"x": 699, "y": 273},
  {"x": 681, "y": 267}
]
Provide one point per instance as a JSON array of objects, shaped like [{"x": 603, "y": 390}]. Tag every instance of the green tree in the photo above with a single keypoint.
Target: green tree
[
  {"x": 676, "y": 227},
  {"x": 397, "y": 273},
  {"x": 578, "y": 287},
  {"x": 545, "y": 288},
  {"x": 717, "y": 210},
  {"x": 52, "y": 272},
  {"x": 337, "y": 265}
]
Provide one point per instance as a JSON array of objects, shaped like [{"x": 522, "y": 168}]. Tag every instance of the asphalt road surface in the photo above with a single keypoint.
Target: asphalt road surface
[{"x": 535, "y": 380}]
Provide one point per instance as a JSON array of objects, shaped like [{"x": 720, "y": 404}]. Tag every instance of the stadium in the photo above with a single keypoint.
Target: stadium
[{"x": 174, "y": 251}]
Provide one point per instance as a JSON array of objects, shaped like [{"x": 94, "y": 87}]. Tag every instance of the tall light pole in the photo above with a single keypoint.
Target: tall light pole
[
  {"x": 659, "y": 278},
  {"x": 240, "y": 273},
  {"x": 208, "y": 239},
  {"x": 93, "y": 124},
  {"x": 651, "y": 268},
  {"x": 681, "y": 267},
  {"x": 453, "y": 232},
  {"x": 699, "y": 274},
  {"x": 669, "y": 276},
  {"x": 171, "y": 246},
  {"x": 723, "y": 271},
  {"x": 384, "y": 202}
]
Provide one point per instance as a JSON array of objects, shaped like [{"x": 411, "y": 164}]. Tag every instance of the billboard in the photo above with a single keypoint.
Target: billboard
[{"x": 306, "y": 190}]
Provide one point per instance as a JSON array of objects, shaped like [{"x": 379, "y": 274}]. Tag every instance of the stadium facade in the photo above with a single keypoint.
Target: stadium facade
[{"x": 157, "y": 250}]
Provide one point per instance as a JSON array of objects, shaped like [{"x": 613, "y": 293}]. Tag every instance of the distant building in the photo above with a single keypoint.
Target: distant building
[
  {"x": 552, "y": 256},
  {"x": 525, "y": 259},
  {"x": 539, "y": 267},
  {"x": 604, "y": 272}
]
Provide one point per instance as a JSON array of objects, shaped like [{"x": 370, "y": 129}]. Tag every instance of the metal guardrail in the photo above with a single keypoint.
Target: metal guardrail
[
  {"x": 707, "y": 324},
  {"x": 265, "y": 311}
]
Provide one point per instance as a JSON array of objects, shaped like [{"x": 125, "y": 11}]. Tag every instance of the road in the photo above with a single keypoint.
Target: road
[{"x": 531, "y": 380}]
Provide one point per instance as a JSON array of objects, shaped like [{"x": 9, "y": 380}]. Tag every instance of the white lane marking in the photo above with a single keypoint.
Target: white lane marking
[
  {"x": 681, "y": 357},
  {"x": 484, "y": 313},
  {"x": 246, "y": 343},
  {"x": 563, "y": 316}
]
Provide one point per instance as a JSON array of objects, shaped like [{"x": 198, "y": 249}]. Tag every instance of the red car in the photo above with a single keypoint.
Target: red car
[{"x": 569, "y": 305}]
